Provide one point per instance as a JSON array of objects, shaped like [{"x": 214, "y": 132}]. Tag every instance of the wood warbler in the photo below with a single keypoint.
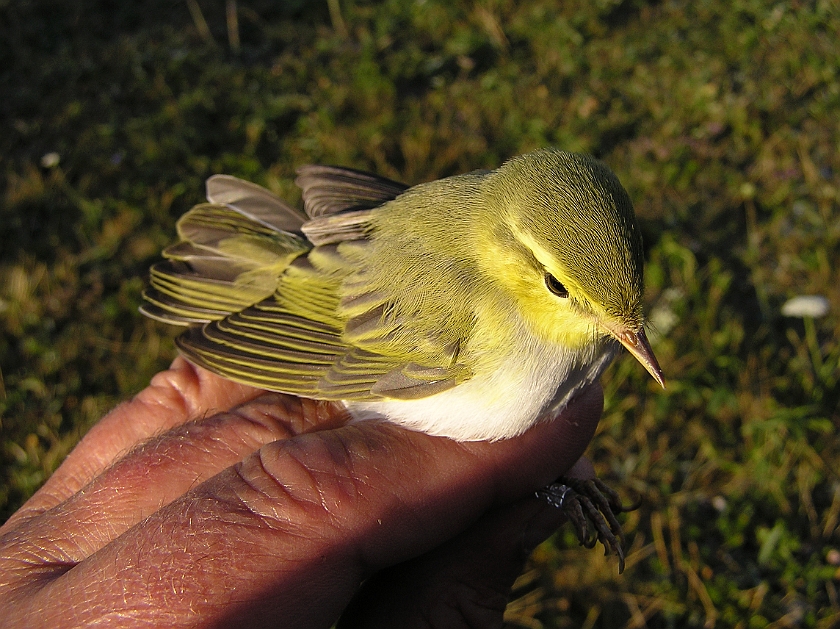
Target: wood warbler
[{"x": 468, "y": 307}]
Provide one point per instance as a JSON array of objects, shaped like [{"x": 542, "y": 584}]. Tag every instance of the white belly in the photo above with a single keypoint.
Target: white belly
[{"x": 531, "y": 384}]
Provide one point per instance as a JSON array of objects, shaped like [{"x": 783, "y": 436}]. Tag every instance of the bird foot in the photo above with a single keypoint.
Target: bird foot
[{"x": 587, "y": 502}]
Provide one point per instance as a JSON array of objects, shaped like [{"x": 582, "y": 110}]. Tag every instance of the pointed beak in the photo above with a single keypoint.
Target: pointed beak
[{"x": 638, "y": 345}]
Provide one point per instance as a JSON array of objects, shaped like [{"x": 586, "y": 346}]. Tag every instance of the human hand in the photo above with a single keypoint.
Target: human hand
[{"x": 206, "y": 503}]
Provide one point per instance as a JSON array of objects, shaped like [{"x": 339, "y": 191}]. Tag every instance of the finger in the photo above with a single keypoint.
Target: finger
[
  {"x": 582, "y": 469},
  {"x": 465, "y": 582},
  {"x": 166, "y": 467},
  {"x": 292, "y": 530},
  {"x": 180, "y": 394}
]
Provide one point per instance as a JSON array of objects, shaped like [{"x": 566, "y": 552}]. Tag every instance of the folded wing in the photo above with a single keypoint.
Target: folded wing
[{"x": 264, "y": 283}]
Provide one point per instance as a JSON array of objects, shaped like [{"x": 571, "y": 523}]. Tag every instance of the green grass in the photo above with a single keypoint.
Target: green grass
[{"x": 720, "y": 117}]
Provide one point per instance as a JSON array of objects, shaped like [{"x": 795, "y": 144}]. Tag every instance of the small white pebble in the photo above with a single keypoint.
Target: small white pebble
[
  {"x": 50, "y": 160},
  {"x": 719, "y": 503},
  {"x": 832, "y": 557},
  {"x": 806, "y": 306}
]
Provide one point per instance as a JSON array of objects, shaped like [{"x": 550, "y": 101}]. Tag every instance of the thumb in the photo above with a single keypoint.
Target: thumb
[{"x": 464, "y": 583}]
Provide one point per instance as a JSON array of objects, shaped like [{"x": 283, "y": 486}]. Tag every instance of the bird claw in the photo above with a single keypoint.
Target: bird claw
[{"x": 591, "y": 501}]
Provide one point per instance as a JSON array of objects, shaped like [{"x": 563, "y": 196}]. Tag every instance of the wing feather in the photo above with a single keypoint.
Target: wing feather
[
  {"x": 332, "y": 189},
  {"x": 334, "y": 228},
  {"x": 255, "y": 202},
  {"x": 226, "y": 260},
  {"x": 271, "y": 302},
  {"x": 400, "y": 385}
]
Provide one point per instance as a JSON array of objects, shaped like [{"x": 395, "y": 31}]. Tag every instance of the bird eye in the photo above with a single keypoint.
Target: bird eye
[{"x": 555, "y": 286}]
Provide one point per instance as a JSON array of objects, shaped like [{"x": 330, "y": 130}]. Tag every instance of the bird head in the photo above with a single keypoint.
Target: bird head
[{"x": 569, "y": 250}]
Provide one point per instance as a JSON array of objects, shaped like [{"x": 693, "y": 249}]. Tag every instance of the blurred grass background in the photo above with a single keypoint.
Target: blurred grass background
[{"x": 721, "y": 117}]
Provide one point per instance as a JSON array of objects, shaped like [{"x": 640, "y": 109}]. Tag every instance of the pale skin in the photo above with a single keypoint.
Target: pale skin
[{"x": 203, "y": 503}]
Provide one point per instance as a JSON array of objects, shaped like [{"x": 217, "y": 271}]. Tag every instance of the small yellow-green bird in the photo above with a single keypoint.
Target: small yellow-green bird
[{"x": 469, "y": 307}]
